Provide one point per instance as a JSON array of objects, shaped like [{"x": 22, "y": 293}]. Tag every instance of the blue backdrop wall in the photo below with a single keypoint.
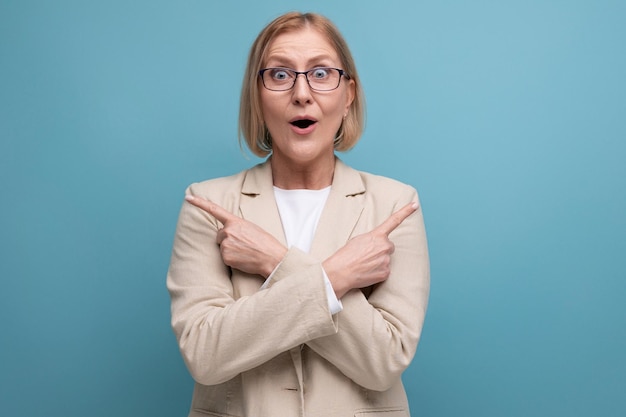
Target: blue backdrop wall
[{"x": 508, "y": 116}]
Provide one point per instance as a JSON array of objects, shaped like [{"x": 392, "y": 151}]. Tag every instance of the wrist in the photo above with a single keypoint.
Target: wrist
[
  {"x": 337, "y": 280},
  {"x": 274, "y": 260}
]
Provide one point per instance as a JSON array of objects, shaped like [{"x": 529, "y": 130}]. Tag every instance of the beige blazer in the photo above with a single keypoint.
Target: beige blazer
[{"x": 279, "y": 352}]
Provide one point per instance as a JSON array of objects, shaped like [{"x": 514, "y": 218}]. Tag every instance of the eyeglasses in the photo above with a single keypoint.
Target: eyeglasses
[{"x": 319, "y": 78}]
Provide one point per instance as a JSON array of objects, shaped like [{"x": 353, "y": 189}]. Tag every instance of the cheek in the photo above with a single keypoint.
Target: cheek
[
  {"x": 336, "y": 111},
  {"x": 341, "y": 104},
  {"x": 269, "y": 111}
]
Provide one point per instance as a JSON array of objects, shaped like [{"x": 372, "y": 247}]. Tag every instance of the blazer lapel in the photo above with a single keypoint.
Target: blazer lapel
[
  {"x": 258, "y": 204},
  {"x": 341, "y": 213}
]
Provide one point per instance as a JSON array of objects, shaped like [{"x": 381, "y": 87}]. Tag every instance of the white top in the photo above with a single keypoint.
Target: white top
[{"x": 300, "y": 211}]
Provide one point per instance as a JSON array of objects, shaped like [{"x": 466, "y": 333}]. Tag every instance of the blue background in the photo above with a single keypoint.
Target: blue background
[{"x": 508, "y": 116}]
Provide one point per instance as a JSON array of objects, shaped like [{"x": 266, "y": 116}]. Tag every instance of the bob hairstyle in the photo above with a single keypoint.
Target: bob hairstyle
[{"x": 251, "y": 125}]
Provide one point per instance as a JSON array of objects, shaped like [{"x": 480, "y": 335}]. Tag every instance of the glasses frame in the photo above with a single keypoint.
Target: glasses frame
[{"x": 342, "y": 73}]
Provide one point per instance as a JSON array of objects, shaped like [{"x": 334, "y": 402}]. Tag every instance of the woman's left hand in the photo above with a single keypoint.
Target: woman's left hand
[{"x": 243, "y": 245}]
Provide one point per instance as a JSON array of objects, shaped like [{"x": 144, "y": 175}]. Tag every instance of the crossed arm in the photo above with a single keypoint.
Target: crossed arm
[
  {"x": 363, "y": 261},
  {"x": 373, "y": 341}
]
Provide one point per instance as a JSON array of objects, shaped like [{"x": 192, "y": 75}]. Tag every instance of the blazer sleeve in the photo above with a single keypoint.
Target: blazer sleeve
[
  {"x": 220, "y": 334},
  {"x": 378, "y": 334}
]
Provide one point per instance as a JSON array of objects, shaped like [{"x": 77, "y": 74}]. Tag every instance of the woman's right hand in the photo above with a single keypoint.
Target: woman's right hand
[
  {"x": 365, "y": 260},
  {"x": 243, "y": 244}
]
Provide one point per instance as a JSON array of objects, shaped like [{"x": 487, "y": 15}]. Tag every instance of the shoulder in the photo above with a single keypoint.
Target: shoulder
[
  {"x": 209, "y": 186},
  {"x": 226, "y": 191},
  {"x": 380, "y": 184},
  {"x": 385, "y": 191},
  {"x": 387, "y": 194},
  {"x": 353, "y": 181},
  {"x": 380, "y": 196},
  {"x": 377, "y": 190}
]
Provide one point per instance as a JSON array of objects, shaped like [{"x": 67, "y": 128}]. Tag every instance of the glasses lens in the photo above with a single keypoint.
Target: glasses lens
[
  {"x": 278, "y": 79},
  {"x": 323, "y": 79}
]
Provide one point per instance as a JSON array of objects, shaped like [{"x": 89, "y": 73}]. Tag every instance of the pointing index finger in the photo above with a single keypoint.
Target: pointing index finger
[
  {"x": 396, "y": 219},
  {"x": 213, "y": 209}
]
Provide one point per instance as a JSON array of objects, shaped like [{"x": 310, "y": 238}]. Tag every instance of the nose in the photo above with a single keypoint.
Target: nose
[{"x": 301, "y": 91}]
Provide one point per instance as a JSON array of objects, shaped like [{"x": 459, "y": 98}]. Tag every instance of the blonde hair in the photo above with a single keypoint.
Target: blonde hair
[{"x": 251, "y": 125}]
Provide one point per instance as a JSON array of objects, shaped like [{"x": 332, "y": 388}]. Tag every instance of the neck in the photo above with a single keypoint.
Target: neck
[{"x": 308, "y": 177}]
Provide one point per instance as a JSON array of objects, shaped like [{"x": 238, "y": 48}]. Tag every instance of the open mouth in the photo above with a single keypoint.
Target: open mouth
[{"x": 303, "y": 123}]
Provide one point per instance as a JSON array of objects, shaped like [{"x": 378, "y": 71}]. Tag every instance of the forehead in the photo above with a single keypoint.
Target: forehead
[{"x": 302, "y": 46}]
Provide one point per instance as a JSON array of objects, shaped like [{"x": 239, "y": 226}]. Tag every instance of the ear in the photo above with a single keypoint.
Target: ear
[{"x": 350, "y": 93}]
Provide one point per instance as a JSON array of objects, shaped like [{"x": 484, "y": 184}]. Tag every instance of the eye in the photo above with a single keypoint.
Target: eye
[
  {"x": 320, "y": 73},
  {"x": 279, "y": 74}
]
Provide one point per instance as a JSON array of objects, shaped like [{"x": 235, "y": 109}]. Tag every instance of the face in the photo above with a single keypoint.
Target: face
[{"x": 295, "y": 141}]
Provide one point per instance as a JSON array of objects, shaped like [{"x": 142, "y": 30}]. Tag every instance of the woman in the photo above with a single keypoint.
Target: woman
[{"x": 299, "y": 287}]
